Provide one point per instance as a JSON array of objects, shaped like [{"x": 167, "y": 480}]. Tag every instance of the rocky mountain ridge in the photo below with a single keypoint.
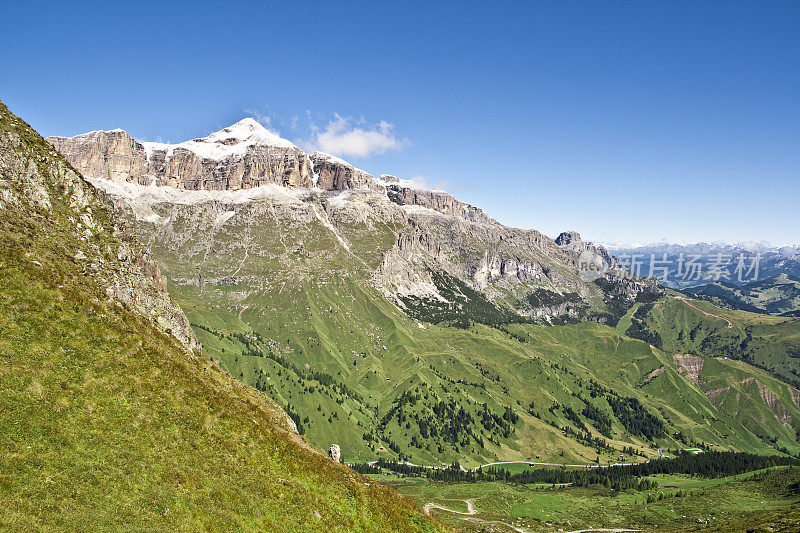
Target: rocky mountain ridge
[
  {"x": 241, "y": 156},
  {"x": 431, "y": 231}
]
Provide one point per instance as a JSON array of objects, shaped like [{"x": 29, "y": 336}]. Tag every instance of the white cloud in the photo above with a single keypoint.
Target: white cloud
[
  {"x": 422, "y": 183},
  {"x": 344, "y": 138}
]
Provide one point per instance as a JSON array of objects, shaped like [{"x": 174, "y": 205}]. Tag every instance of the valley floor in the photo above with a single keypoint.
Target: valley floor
[{"x": 763, "y": 499}]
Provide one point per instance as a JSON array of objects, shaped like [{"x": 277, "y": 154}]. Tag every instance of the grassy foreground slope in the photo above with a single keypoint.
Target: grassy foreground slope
[{"x": 105, "y": 421}]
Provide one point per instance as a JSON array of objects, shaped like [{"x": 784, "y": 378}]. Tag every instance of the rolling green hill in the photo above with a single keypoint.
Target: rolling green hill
[
  {"x": 107, "y": 420},
  {"x": 355, "y": 370},
  {"x": 778, "y": 295},
  {"x": 699, "y": 327}
]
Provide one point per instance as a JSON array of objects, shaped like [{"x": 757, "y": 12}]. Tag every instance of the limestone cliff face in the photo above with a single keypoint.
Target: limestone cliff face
[
  {"x": 438, "y": 201},
  {"x": 260, "y": 165},
  {"x": 37, "y": 184},
  {"x": 433, "y": 231},
  {"x": 486, "y": 255},
  {"x": 495, "y": 266},
  {"x": 114, "y": 155},
  {"x": 333, "y": 174},
  {"x": 241, "y": 156}
]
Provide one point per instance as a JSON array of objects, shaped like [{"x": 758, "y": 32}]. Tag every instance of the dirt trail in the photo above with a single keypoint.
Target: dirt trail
[
  {"x": 470, "y": 511},
  {"x": 592, "y": 465},
  {"x": 470, "y": 508},
  {"x": 684, "y": 300},
  {"x": 601, "y": 530}
]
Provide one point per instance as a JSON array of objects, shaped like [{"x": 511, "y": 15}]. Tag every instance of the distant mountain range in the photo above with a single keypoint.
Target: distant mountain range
[{"x": 681, "y": 266}]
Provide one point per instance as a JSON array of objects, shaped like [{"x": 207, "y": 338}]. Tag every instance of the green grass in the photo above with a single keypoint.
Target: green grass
[
  {"x": 105, "y": 423},
  {"x": 775, "y": 295},
  {"x": 724, "y": 502},
  {"x": 333, "y": 324},
  {"x": 625, "y": 321}
]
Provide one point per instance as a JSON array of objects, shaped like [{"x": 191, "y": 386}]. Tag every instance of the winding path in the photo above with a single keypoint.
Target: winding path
[
  {"x": 602, "y": 529},
  {"x": 470, "y": 511},
  {"x": 684, "y": 300},
  {"x": 470, "y": 508},
  {"x": 592, "y": 465}
]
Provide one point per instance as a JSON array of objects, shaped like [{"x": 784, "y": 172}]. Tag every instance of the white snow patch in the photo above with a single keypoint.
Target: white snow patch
[
  {"x": 150, "y": 147},
  {"x": 234, "y": 140},
  {"x": 342, "y": 199},
  {"x": 408, "y": 184},
  {"x": 149, "y": 195},
  {"x": 336, "y": 160},
  {"x": 331, "y": 158},
  {"x": 224, "y": 217},
  {"x": 421, "y": 210}
]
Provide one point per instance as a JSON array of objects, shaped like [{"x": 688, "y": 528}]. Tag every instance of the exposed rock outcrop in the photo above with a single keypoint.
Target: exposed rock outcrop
[
  {"x": 335, "y": 453},
  {"x": 39, "y": 182},
  {"x": 653, "y": 375},
  {"x": 494, "y": 267},
  {"x": 334, "y": 174},
  {"x": 690, "y": 366},
  {"x": 713, "y": 395},
  {"x": 571, "y": 241},
  {"x": 241, "y": 156},
  {"x": 438, "y": 201}
]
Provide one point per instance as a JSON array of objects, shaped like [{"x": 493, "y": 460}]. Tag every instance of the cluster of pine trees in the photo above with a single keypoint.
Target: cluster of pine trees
[
  {"x": 463, "y": 306},
  {"x": 443, "y": 421},
  {"x": 639, "y": 330},
  {"x": 630, "y": 477}
]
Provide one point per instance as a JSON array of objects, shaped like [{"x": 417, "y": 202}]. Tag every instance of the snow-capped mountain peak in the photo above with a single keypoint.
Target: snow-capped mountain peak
[
  {"x": 236, "y": 139},
  {"x": 247, "y": 130},
  {"x": 323, "y": 156}
]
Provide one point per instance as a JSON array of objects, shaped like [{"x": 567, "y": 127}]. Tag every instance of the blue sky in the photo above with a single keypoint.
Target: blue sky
[{"x": 626, "y": 121}]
